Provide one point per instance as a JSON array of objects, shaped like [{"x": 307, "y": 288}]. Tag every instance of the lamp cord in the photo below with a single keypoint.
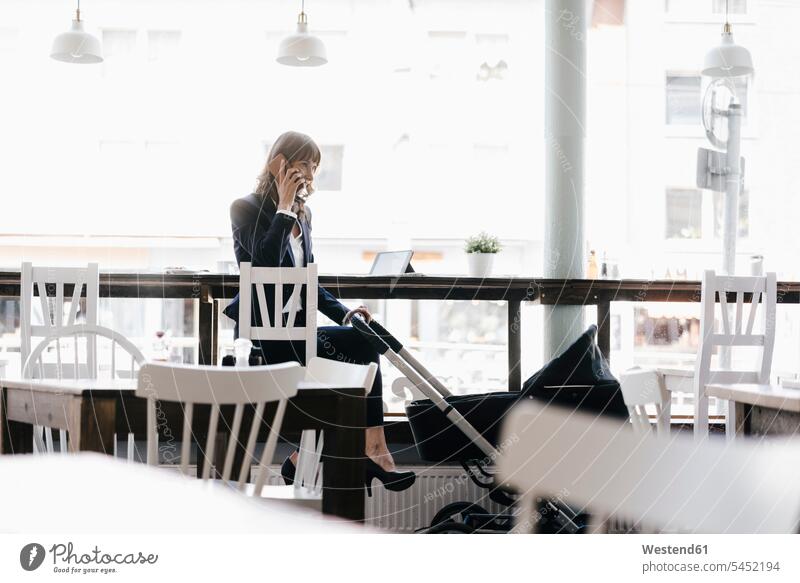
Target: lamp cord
[{"x": 78, "y": 11}]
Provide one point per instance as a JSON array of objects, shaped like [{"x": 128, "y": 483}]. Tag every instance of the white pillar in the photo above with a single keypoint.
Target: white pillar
[
  {"x": 733, "y": 186},
  {"x": 730, "y": 232},
  {"x": 565, "y": 132}
]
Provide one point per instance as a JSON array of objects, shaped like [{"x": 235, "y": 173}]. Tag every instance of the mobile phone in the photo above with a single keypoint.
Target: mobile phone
[{"x": 275, "y": 168}]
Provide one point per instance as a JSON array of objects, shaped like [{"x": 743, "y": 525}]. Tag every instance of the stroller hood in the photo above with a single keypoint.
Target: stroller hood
[{"x": 579, "y": 378}]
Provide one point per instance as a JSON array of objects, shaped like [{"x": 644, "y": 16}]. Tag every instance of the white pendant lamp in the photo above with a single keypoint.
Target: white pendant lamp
[
  {"x": 76, "y": 45},
  {"x": 302, "y": 49},
  {"x": 728, "y": 59}
]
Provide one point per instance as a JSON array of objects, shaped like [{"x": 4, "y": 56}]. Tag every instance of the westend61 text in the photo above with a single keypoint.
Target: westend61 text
[{"x": 675, "y": 550}]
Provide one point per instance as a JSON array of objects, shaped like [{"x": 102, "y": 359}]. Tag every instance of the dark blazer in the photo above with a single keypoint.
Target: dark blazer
[{"x": 261, "y": 236}]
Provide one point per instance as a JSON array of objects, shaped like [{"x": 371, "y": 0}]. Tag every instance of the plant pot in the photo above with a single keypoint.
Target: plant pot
[{"x": 480, "y": 264}]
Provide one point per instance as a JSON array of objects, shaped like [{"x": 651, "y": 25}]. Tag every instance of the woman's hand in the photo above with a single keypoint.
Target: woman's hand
[
  {"x": 289, "y": 180},
  {"x": 359, "y": 310}
]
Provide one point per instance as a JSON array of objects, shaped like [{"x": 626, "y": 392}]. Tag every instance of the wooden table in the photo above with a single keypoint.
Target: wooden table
[
  {"x": 93, "y": 411},
  {"x": 761, "y": 409}
]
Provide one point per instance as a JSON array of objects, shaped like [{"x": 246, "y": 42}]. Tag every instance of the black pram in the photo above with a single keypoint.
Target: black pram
[{"x": 466, "y": 429}]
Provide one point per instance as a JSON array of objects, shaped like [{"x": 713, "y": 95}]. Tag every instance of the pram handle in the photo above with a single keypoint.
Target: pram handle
[
  {"x": 372, "y": 336},
  {"x": 386, "y": 336}
]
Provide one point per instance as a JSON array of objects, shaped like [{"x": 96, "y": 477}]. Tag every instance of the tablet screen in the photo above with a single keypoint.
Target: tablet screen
[{"x": 390, "y": 263}]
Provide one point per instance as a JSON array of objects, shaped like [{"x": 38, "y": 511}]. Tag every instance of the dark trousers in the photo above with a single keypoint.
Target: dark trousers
[{"x": 341, "y": 343}]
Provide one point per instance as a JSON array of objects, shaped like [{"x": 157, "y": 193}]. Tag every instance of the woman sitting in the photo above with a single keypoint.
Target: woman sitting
[{"x": 272, "y": 228}]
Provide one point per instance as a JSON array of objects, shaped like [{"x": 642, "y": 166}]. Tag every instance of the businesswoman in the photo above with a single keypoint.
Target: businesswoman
[{"x": 272, "y": 228}]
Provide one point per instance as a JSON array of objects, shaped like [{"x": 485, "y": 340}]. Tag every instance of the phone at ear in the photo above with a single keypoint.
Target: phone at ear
[{"x": 275, "y": 168}]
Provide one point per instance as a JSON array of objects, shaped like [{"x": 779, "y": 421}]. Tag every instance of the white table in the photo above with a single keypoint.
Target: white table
[
  {"x": 761, "y": 409},
  {"x": 92, "y": 493}
]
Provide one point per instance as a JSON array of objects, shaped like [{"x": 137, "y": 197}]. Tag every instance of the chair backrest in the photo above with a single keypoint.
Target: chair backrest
[
  {"x": 737, "y": 325},
  {"x": 277, "y": 277},
  {"x": 52, "y": 285},
  {"x": 217, "y": 386},
  {"x": 77, "y": 367},
  {"x": 344, "y": 374},
  {"x": 674, "y": 484},
  {"x": 641, "y": 388}
]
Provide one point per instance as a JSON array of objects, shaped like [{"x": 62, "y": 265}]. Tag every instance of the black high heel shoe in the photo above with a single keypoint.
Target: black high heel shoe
[
  {"x": 287, "y": 471},
  {"x": 394, "y": 481}
]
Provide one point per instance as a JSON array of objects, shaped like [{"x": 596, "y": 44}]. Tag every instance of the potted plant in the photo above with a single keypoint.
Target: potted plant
[{"x": 481, "y": 250}]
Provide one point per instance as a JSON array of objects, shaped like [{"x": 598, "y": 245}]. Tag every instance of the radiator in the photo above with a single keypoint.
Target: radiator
[{"x": 414, "y": 508}]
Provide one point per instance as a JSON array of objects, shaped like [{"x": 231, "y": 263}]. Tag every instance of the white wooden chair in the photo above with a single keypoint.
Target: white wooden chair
[
  {"x": 54, "y": 311},
  {"x": 308, "y": 473},
  {"x": 277, "y": 277},
  {"x": 59, "y": 355},
  {"x": 674, "y": 484},
  {"x": 214, "y": 386},
  {"x": 258, "y": 278},
  {"x": 640, "y": 389},
  {"x": 736, "y": 327}
]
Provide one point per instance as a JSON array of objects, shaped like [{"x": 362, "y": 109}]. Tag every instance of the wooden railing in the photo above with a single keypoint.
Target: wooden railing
[{"x": 214, "y": 291}]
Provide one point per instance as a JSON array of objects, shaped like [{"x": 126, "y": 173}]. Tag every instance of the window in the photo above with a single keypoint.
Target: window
[
  {"x": 683, "y": 100},
  {"x": 744, "y": 213},
  {"x": 445, "y": 49},
  {"x": 684, "y": 214},
  {"x": 119, "y": 48},
  {"x": 118, "y": 43},
  {"x": 329, "y": 176},
  {"x": 8, "y": 41},
  {"x": 162, "y": 45},
  {"x": 690, "y": 210}
]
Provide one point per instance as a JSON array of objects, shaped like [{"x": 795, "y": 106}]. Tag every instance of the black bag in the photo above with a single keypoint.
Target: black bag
[{"x": 581, "y": 379}]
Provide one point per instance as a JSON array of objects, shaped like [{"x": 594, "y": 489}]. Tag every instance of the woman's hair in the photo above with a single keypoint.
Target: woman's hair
[{"x": 294, "y": 146}]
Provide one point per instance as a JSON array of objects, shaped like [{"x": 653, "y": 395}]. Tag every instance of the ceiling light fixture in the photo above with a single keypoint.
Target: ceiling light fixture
[
  {"x": 728, "y": 59},
  {"x": 302, "y": 49},
  {"x": 76, "y": 45}
]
